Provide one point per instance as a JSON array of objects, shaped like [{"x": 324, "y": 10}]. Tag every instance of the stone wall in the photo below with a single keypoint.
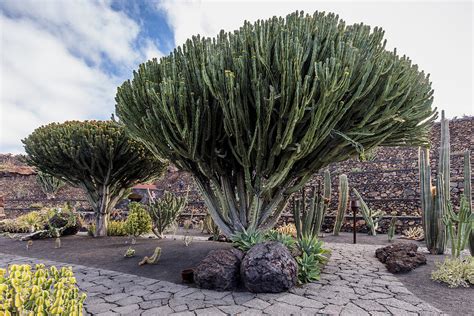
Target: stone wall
[{"x": 388, "y": 182}]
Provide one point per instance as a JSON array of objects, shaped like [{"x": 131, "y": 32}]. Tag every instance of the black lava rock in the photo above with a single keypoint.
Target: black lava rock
[
  {"x": 269, "y": 267},
  {"x": 400, "y": 257},
  {"x": 219, "y": 270}
]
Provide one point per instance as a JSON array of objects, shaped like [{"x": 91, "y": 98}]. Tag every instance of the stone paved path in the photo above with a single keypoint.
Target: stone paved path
[{"x": 353, "y": 283}]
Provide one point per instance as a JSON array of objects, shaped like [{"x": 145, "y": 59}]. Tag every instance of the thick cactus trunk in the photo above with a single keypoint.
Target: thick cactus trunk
[{"x": 342, "y": 204}]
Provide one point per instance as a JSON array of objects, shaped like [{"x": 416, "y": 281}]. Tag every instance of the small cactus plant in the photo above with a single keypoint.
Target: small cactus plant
[
  {"x": 391, "y": 229},
  {"x": 372, "y": 218},
  {"x": 153, "y": 259},
  {"x": 342, "y": 204},
  {"x": 309, "y": 218},
  {"x": 459, "y": 226}
]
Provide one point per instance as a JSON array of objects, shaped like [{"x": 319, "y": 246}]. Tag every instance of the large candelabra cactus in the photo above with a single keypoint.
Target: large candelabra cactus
[
  {"x": 435, "y": 200},
  {"x": 254, "y": 113}
]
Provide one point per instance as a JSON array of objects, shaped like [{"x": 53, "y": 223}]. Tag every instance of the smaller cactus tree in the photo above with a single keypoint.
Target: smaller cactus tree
[
  {"x": 342, "y": 204},
  {"x": 435, "y": 200},
  {"x": 310, "y": 216}
]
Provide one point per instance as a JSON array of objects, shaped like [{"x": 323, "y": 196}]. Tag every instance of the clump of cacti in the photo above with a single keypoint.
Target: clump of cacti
[
  {"x": 309, "y": 212},
  {"x": 342, "y": 203},
  {"x": 371, "y": 217},
  {"x": 153, "y": 259},
  {"x": 435, "y": 200},
  {"x": 391, "y": 229},
  {"x": 165, "y": 211},
  {"x": 49, "y": 184},
  {"x": 459, "y": 226},
  {"x": 39, "y": 291}
]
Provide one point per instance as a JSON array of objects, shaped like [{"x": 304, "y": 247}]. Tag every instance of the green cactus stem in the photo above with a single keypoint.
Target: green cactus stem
[
  {"x": 309, "y": 212},
  {"x": 165, "y": 211},
  {"x": 153, "y": 259},
  {"x": 459, "y": 226},
  {"x": 391, "y": 228},
  {"x": 371, "y": 218},
  {"x": 342, "y": 203}
]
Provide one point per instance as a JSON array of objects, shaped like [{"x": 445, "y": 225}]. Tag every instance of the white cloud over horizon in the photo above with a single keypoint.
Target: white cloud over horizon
[{"x": 55, "y": 62}]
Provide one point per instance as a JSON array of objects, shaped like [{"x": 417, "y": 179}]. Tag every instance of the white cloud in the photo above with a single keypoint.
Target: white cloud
[
  {"x": 56, "y": 59},
  {"x": 438, "y": 36}
]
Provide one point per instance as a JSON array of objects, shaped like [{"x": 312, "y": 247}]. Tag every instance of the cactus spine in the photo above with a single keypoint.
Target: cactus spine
[
  {"x": 342, "y": 204},
  {"x": 309, "y": 215},
  {"x": 435, "y": 200}
]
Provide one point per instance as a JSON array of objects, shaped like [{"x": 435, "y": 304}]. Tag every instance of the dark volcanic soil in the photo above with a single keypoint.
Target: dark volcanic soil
[{"x": 108, "y": 253}]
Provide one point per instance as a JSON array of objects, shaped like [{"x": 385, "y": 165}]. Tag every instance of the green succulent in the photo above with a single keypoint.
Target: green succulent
[
  {"x": 312, "y": 246},
  {"x": 138, "y": 221},
  {"x": 285, "y": 239},
  {"x": 246, "y": 239},
  {"x": 308, "y": 268}
]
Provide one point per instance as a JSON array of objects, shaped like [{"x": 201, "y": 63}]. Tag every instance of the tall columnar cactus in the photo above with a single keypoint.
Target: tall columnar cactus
[
  {"x": 371, "y": 217},
  {"x": 97, "y": 156},
  {"x": 309, "y": 212},
  {"x": 435, "y": 200},
  {"x": 49, "y": 184},
  {"x": 165, "y": 211},
  {"x": 468, "y": 194},
  {"x": 342, "y": 203},
  {"x": 252, "y": 114}
]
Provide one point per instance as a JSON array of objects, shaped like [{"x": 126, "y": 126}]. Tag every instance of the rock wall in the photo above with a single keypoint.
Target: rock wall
[{"x": 389, "y": 181}]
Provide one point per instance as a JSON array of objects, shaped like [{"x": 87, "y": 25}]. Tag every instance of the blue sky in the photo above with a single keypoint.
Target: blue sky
[{"x": 63, "y": 59}]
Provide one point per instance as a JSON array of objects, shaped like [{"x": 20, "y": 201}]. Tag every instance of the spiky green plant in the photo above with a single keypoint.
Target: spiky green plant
[
  {"x": 342, "y": 203},
  {"x": 287, "y": 240},
  {"x": 210, "y": 227},
  {"x": 252, "y": 114},
  {"x": 308, "y": 268},
  {"x": 165, "y": 211},
  {"x": 371, "y": 217},
  {"x": 435, "y": 200},
  {"x": 459, "y": 226},
  {"x": 309, "y": 212},
  {"x": 312, "y": 246},
  {"x": 97, "y": 156},
  {"x": 49, "y": 184},
  {"x": 246, "y": 239}
]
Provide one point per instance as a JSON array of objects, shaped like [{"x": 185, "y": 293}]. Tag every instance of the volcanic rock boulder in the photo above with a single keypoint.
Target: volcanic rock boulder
[
  {"x": 219, "y": 270},
  {"x": 400, "y": 257},
  {"x": 269, "y": 267}
]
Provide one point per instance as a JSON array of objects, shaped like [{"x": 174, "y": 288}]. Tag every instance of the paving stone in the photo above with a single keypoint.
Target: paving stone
[
  {"x": 157, "y": 295},
  {"x": 183, "y": 313},
  {"x": 100, "y": 308},
  {"x": 297, "y": 300},
  {"x": 370, "y": 305},
  {"x": 353, "y": 310},
  {"x": 115, "y": 297},
  {"x": 232, "y": 309},
  {"x": 152, "y": 304},
  {"x": 129, "y": 309},
  {"x": 398, "y": 304},
  {"x": 256, "y": 303},
  {"x": 211, "y": 311},
  {"x": 129, "y": 300},
  {"x": 163, "y": 310},
  {"x": 282, "y": 309}
]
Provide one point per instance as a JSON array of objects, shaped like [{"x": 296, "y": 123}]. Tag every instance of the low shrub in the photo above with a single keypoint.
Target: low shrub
[
  {"x": 288, "y": 229},
  {"x": 138, "y": 221},
  {"x": 33, "y": 220},
  {"x": 13, "y": 226},
  {"x": 39, "y": 291},
  {"x": 455, "y": 272},
  {"x": 114, "y": 228}
]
